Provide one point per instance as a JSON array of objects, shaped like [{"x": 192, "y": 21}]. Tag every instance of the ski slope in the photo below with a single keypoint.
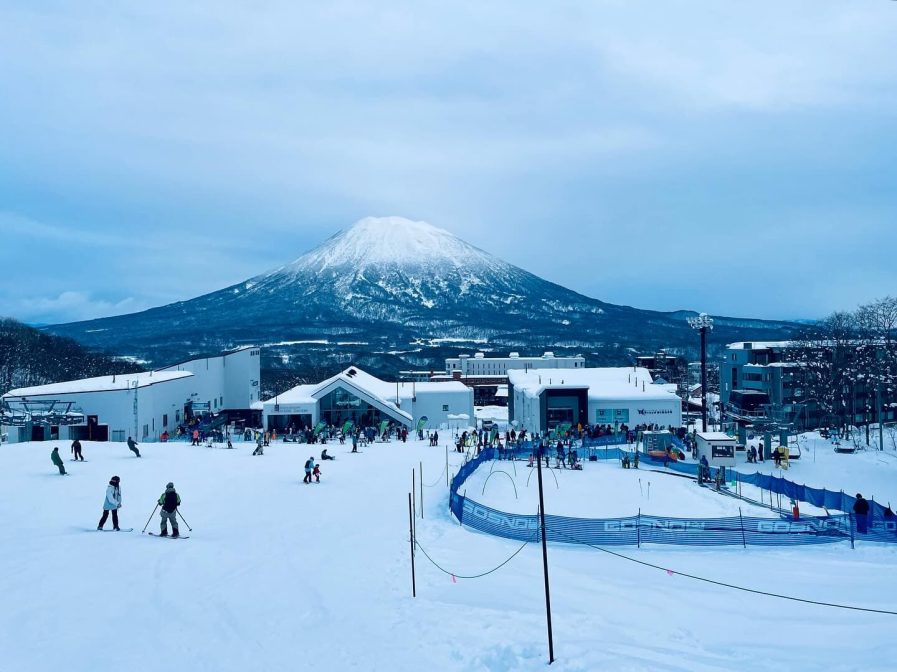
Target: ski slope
[{"x": 278, "y": 575}]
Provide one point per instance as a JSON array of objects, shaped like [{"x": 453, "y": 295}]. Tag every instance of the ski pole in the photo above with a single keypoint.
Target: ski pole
[
  {"x": 149, "y": 519},
  {"x": 185, "y": 522}
]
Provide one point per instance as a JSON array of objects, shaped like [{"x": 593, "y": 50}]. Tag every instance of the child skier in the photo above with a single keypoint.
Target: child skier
[
  {"x": 169, "y": 501},
  {"x": 112, "y": 503},
  {"x": 316, "y": 472}
]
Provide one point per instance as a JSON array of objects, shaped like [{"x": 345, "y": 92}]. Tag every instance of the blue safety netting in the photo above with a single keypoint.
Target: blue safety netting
[{"x": 643, "y": 529}]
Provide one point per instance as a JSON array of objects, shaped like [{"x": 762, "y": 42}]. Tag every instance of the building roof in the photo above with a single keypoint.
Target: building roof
[
  {"x": 759, "y": 345},
  {"x": 393, "y": 396},
  {"x": 611, "y": 383},
  {"x": 715, "y": 436},
  {"x": 124, "y": 381}
]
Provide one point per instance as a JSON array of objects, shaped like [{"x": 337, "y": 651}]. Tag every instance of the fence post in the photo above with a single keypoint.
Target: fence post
[
  {"x": 638, "y": 529},
  {"x": 741, "y": 518},
  {"x": 422, "y": 490},
  {"x": 411, "y": 537},
  {"x": 850, "y": 521}
]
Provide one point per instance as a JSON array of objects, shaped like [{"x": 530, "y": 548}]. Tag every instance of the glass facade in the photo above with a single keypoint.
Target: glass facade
[{"x": 341, "y": 405}]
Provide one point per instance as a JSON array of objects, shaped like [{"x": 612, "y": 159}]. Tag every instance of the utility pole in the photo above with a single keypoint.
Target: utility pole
[
  {"x": 702, "y": 323},
  {"x": 545, "y": 560}
]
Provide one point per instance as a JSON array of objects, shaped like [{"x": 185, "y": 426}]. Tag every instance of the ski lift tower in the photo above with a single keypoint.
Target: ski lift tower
[{"x": 702, "y": 324}]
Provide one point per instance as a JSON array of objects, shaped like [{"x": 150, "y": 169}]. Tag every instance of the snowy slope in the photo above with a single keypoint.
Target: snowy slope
[
  {"x": 281, "y": 576},
  {"x": 391, "y": 293}
]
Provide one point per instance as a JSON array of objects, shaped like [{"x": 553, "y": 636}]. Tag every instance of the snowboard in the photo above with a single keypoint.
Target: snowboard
[{"x": 155, "y": 534}]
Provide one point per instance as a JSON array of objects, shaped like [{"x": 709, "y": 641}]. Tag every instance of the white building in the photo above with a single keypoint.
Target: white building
[
  {"x": 481, "y": 365},
  {"x": 541, "y": 399},
  {"x": 366, "y": 400},
  {"x": 142, "y": 405}
]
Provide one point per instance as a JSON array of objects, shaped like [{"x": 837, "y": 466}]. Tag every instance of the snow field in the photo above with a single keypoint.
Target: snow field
[
  {"x": 279, "y": 575},
  {"x": 603, "y": 489}
]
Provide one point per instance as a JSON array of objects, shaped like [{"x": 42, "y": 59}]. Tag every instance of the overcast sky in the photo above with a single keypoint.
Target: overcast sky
[{"x": 738, "y": 158}]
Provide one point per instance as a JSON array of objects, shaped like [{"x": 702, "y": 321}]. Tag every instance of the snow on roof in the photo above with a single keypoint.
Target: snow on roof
[
  {"x": 759, "y": 345},
  {"x": 611, "y": 383},
  {"x": 715, "y": 436},
  {"x": 301, "y": 394},
  {"x": 100, "y": 384},
  {"x": 385, "y": 392}
]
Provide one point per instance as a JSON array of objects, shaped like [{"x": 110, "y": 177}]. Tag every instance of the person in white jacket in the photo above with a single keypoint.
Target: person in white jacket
[{"x": 112, "y": 503}]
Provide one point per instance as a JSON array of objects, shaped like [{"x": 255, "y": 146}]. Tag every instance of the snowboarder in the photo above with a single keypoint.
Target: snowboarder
[
  {"x": 316, "y": 472},
  {"x": 57, "y": 461},
  {"x": 132, "y": 446},
  {"x": 325, "y": 456},
  {"x": 169, "y": 501},
  {"x": 112, "y": 503},
  {"x": 76, "y": 450},
  {"x": 309, "y": 467},
  {"x": 861, "y": 510},
  {"x": 259, "y": 446}
]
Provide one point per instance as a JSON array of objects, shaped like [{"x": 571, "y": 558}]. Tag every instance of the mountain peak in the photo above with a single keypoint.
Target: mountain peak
[{"x": 389, "y": 241}]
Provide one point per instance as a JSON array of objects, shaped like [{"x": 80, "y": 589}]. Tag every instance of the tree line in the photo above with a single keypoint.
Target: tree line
[
  {"x": 848, "y": 362},
  {"x": 30, "y": 357}
]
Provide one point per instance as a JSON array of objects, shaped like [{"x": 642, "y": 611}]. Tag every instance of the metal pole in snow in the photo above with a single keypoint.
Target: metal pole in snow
[
  {"x": 421, "y": 490},
  {"x": 411, "y": 537},
  {"x": 545, "y": 564}
]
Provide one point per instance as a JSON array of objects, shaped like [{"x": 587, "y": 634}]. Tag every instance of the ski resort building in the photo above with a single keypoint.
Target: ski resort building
[
  {"x": 541, "y": 399},
  {"x": 141, "y": 405},
  {"x": 486, "y": 376},
  {"x": 367, "y": 401}
]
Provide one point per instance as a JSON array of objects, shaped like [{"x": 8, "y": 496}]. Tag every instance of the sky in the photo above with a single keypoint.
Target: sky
[{"x": 734, "y": 158}]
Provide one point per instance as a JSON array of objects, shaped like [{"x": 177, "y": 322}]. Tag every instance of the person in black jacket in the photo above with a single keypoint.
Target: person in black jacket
[
  {"x": 861, "y": 511},
  {"x": 76, "y": 450},
  {"x": 132, "y": 446},
  {"x": 169, "y": 501}
]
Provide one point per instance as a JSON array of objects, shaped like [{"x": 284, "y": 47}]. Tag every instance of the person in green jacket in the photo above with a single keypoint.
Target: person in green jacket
[{"x": 57, "y": 461}]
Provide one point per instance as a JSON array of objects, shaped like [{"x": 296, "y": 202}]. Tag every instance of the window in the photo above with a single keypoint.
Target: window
[
  {"x": 165, "y": 421},
  {"x": 445, "y": 408},
  {"x": 145, "y": 431}
]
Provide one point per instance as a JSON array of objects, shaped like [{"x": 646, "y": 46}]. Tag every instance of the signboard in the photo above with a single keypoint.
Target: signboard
[{"x": 722, "y": 450}]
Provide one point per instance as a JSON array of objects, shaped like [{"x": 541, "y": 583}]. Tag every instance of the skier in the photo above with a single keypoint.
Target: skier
[
  {"x": 195, "y": 438},
  {"x": 57, "y": 461},
  {"x": 309, "y": 466},
  {"x": 354, "y": 442},
  {"x": 169, "y": 501},
  {"x": 861, "y": 510},
  {"x": 76, "y": 450},
  {"x": 316, "y": 472},
  {"x": 259, "y": 447},
  {"x": 112, "y": 503},
  {"x": 132, "y": 446}
]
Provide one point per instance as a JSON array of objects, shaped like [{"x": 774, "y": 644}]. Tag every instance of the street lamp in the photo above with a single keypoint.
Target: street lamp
[{"x": 702, "y": 323}]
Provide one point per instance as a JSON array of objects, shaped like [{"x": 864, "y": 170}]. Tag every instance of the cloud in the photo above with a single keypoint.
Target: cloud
[
  {"x": 71, "y": 306},
  {"x": 167, "y": 150}
]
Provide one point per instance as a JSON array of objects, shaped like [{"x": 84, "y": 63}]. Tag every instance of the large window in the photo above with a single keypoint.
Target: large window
[{"x": 341, "y": 405}]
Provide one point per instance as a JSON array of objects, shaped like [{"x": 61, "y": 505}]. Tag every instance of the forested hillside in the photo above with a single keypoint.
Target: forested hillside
[{"x": 32, "y": 357}]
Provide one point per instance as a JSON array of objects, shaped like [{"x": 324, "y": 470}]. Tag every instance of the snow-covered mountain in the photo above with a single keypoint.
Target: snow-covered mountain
[{"x": 392, "y": 293}]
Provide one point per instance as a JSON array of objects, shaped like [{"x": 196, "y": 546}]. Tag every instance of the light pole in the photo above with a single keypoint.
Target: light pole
[{"x": 702, "y": 323}]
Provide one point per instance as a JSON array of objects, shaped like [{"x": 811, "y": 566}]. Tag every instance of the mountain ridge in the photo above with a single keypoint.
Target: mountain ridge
[{"x": 392, "y": 294}]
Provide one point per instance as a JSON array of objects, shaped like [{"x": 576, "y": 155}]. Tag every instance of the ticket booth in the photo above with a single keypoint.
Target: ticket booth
[{"x": 717, "y": 447}]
